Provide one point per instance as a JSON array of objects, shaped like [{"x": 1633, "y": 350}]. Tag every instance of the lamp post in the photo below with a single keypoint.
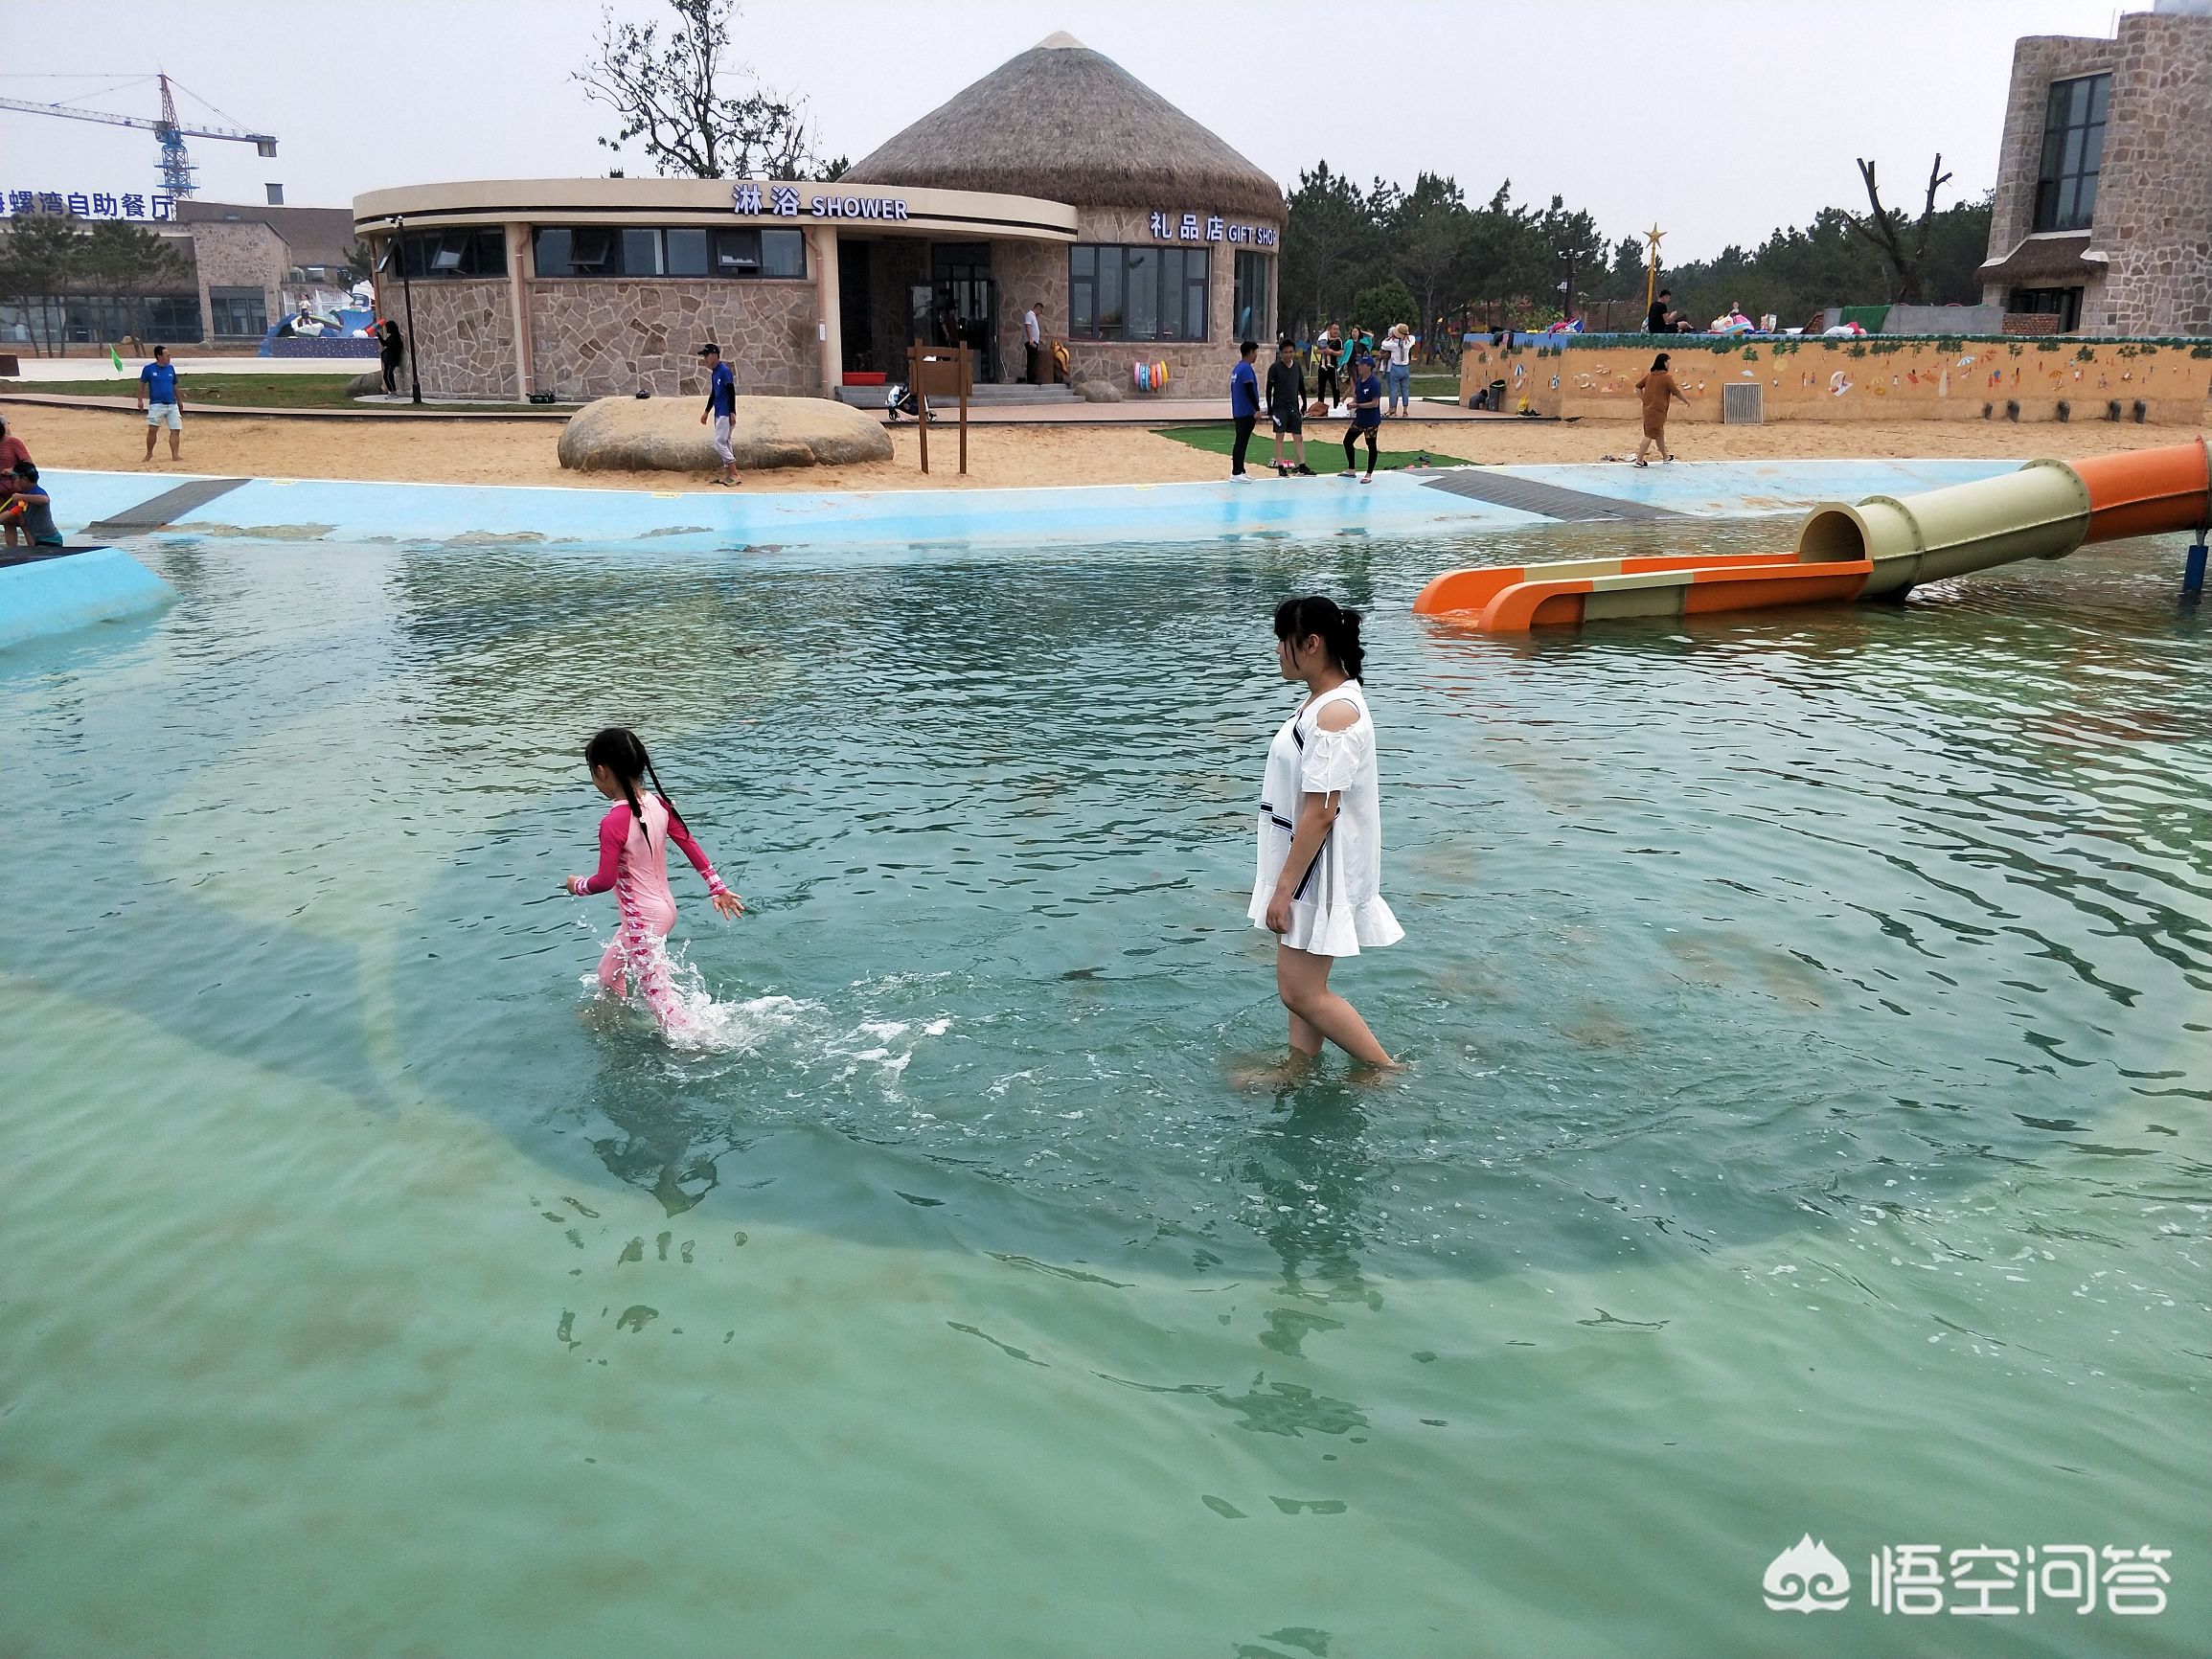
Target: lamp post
[
  {"x": 1567, "y": 287},
  {"x": 407, "y": 288}
]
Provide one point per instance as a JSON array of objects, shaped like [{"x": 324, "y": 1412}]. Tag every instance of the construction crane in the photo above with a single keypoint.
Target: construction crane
[{"x": 176, "y": 169}]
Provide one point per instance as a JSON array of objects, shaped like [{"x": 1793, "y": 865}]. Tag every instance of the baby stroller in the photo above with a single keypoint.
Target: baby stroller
[{"x": 900, "y": 401}]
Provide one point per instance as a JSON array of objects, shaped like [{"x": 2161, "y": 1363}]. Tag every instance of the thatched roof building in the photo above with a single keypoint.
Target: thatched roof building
[{"x": 1068, "y": 124}]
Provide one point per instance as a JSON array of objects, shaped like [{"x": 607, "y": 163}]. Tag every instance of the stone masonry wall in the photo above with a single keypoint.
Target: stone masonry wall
[
  {"x": 1884, "y": 378},
  {"x": 464, "y": 336},
  {"x": 1026, "y": 272},
  {"x": 2154, "y": 215},
  {"x": 2155, "y": 196},
  {"x": 601, "y": 338},
  {"x": 2038, "y": 60},
  {"x": 244, "y": 255}
]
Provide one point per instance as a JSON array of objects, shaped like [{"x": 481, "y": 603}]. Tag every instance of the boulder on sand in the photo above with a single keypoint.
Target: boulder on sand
[{"x": 664, "y": 435}]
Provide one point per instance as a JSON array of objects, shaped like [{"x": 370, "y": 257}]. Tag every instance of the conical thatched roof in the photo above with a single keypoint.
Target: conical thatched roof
[{"x": 1071, "y": 125}]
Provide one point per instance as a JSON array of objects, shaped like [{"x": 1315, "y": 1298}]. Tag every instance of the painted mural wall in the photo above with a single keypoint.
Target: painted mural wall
[{"x": 1878, "y": 378}]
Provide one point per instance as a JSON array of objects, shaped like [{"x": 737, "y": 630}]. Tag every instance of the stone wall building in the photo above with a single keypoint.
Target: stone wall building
[
  {"x": 256, "y": 266},
  {"x": 241, "y": 269},
  {"x": 2103, "y": 216},
  {"x": 1058, "y": 178}
]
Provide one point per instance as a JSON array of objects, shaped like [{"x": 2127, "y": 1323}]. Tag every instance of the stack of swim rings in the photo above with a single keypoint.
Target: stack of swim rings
[{"x": 1149, "y": 376}]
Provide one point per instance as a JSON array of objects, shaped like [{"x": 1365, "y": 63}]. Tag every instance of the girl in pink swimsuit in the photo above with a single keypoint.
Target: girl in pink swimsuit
[{"x": 633, "y": 841}]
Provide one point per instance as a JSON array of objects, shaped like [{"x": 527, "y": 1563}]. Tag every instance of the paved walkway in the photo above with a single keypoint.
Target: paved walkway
[
  {"x": 91, "y": 364},
  {"x": 398, "y": 411},
  {"x": 1154, "y": 412}
]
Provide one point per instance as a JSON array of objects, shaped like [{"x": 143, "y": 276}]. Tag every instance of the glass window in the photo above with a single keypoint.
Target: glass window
[
  {"x": 1082, "y": 292},
  {"x": 640, "y": 251},
  {"x": 550, "y": 252},
  {"x": 1250, "y": 307},
  {"x": 238, "y": 312},
  {"x": 687, "y": 253},
  {"x": 2065, "y": 304},
  {"x": 1139, "y": 292},
  {"x": 454, "y": 253},
  {"x": 1171, "y": 324},
  {"x": 1141, "y": 282},
  {"x": 783, "y": 254},
  {"x": 592, "y": 253},
  {"x": 1109, "y": 293},
  {"x": 737, "y": 253},
  {"x": 2073, "y": 153}
]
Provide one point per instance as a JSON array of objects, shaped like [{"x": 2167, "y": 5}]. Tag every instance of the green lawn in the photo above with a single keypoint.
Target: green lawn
[
  {"x": 235, "y": 390},
  {"x": 1324, "y": 447}
]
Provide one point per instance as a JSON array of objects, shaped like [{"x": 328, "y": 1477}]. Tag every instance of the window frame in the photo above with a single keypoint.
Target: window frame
[
  {"x": 2075, "y": 113},
  {"x": 1104, "y": 298},
  {"x": 475, "y": 251},
  {"x": 1253, "y": 270},
  {"x": 733, "y": 252},
  {"x": 223, "y": 303}
]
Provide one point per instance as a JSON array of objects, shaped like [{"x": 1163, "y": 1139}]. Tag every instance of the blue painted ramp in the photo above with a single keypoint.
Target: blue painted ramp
[{"x": 73, "y": 590}]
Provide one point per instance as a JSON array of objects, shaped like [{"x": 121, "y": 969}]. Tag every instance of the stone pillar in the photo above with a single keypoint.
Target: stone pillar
[
  {"x": 518, "y": 268},
  {"x": 822, "y": 243}
]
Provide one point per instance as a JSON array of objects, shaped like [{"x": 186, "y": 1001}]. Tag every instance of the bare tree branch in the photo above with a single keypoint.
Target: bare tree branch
[
  {"x": 666, "y": 92},
  {"x": 1883, "y": 228}
]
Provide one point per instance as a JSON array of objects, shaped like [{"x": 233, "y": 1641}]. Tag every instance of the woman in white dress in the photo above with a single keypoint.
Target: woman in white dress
[{"x": 1319, "y": 886}]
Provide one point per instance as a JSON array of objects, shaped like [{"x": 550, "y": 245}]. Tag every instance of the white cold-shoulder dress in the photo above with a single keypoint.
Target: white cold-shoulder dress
[{"x": 1337, "y": 909}]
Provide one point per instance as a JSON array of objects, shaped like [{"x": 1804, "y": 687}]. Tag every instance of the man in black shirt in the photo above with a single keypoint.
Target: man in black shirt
[
  {"x": 1287, "y": 406},
  {"x": 1663, "y": 319}
]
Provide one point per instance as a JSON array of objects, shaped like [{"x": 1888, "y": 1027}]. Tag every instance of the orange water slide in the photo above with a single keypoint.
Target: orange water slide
[{"x": 1884, "y": 544}]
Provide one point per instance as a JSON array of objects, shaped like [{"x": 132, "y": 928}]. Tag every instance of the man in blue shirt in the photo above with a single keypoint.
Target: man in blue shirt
[
  {"x": 721, "y": 409},
  {"x": 1243, "y": 404},
  {"x": 157, "y": 400}
]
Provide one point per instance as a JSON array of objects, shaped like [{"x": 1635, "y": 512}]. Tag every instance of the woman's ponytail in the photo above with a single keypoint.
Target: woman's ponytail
[{"x": 1337, "y": 626}]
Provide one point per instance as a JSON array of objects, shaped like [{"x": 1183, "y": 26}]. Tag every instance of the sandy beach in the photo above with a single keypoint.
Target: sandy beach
[{"x": 522, "y": 452}]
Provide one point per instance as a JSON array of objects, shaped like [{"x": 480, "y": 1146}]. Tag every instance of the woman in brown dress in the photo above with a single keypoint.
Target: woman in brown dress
[{"x": 1657, "y": 389}]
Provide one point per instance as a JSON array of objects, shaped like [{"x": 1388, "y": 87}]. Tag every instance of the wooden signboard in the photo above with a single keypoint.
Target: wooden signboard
[{"x": 943, "y": 370}]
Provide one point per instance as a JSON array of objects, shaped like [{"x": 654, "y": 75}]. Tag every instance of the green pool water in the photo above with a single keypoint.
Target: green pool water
[{"x": 1805, "y": 1134}]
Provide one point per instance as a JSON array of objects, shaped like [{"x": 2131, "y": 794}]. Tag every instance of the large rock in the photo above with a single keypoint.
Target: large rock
[{"x": 664, "y": 435}]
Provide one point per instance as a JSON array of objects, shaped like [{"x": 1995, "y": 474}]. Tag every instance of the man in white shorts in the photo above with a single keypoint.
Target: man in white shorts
[
  {"x": 157, "y": 398},
  {"x": 721, "y": 409}
]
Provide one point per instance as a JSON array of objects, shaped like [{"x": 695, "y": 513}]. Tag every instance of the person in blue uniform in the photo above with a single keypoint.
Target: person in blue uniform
[
  {"x": 1243, "y": 404},
  {"x": 158, "y": 400},
  {"x": 721, "y": 409}
]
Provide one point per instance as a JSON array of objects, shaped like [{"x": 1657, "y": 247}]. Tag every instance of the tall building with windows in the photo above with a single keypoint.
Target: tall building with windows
[{"x": 2103, "y": 217}]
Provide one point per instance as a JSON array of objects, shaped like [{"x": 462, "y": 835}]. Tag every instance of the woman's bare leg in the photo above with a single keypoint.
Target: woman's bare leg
[{"x": 1301, "y": 981}]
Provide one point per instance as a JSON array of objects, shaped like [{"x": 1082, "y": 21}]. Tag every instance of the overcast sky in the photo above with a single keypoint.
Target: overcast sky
[{"x": 1718, "y": 119}]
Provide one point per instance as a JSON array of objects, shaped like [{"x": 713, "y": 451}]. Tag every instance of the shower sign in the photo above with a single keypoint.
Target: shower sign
[{"x": 783, "y": 201}]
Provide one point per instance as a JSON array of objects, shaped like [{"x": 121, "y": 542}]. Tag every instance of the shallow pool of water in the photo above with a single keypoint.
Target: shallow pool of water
[{"x": 1805, "y": 1132}]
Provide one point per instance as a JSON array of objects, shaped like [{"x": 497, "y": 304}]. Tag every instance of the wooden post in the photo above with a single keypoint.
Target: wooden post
[
  {"x": 948, "y": 370},
  {"x": 916, "y": 356}
]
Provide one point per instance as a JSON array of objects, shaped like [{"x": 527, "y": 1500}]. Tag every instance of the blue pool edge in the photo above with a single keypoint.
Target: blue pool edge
[{"x": 73, "y": 590}]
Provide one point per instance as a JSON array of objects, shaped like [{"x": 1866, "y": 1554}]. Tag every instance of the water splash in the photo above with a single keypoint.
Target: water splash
[{"x": 696, "y": 1021}]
